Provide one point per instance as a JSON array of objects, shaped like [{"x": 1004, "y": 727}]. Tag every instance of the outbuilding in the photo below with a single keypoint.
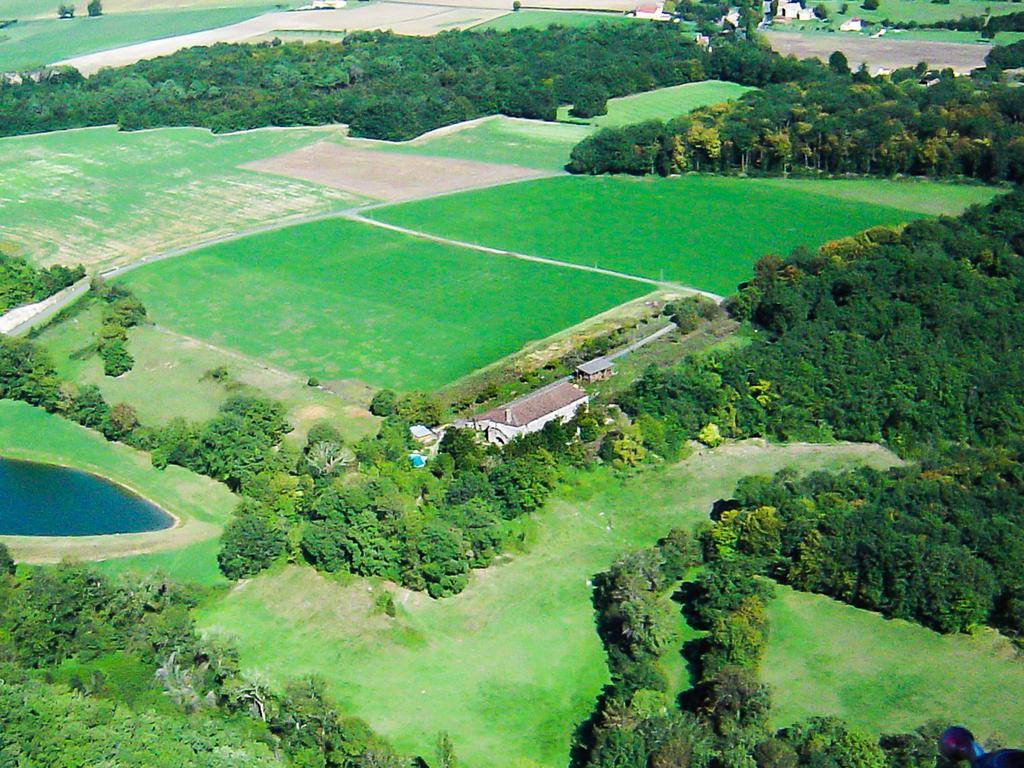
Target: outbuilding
[{"x": 598, "y": 369}]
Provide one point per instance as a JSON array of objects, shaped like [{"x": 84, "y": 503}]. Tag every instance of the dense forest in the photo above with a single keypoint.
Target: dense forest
[
  {"x": 833, "y": 121},
  {"x": 96, "y": 671},
  {"x": 382, "y": 85},
  {"x": 939, "y": 543},
  {"x": 22, "y": 283}
]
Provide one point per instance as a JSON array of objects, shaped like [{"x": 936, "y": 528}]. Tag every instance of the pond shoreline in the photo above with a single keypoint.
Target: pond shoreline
[{"x": 45, "y": 499}]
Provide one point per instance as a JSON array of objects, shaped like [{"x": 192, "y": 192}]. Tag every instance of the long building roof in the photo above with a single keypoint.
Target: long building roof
[{"x": 536, "y": 405}]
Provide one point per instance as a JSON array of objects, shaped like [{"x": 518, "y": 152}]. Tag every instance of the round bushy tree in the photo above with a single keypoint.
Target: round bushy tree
[{"x": 250, "y": 544}]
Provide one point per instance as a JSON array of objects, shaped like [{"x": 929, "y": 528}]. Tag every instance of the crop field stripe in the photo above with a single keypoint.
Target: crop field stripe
[
  {"x": 339, "y": 299},
  {"x": 695, "y": 230},
  {"x": 527, "y": 257}
]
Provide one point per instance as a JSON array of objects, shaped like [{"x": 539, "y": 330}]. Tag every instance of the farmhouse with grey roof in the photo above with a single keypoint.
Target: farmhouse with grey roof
[{"x": 531, "y": 412}]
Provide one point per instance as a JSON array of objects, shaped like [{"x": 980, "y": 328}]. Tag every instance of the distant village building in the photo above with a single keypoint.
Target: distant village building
[
  {"x": 793, "y": 11},
  {"x": 730, "y": 19},
  {"x": 530, "y": 413},
  {"x": 655, "y": 11},
  {"x": 702, "y": 40},
  {"x": 599, "y": 369},
  {"x": 851, "y": 25}
]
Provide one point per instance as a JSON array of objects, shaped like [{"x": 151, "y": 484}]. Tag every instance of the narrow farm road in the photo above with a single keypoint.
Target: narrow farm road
[{"x": 356, "y": 215}]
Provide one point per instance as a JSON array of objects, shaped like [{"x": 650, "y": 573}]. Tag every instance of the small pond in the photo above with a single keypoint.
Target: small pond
[{"x": 45, "y": 500}]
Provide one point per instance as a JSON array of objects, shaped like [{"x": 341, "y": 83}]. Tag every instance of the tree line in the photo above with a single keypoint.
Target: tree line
[
  {"x": 723, "y": 721},
  {"x": 938, "y": 542},
  {"x": 832, "y": 121},
  {"x": 23, "y": 283},
  {"x": 382, "y": 85},
  {"x": 98, "y": 671}
]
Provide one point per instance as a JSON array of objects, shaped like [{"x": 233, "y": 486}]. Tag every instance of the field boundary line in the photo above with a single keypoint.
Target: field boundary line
[{"x": 356, "y": 215}]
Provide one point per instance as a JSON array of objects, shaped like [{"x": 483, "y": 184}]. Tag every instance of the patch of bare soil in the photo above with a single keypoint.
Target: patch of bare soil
[
  {"x": 387, "y": 176},
  {"x": 889, "y": 52}
]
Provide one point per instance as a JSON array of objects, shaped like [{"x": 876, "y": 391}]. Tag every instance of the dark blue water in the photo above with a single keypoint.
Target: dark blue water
[{"x": 44, "y": 500}]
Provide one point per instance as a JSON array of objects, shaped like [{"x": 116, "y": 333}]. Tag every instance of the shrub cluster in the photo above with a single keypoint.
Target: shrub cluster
[{"x": 22, "y": 283}]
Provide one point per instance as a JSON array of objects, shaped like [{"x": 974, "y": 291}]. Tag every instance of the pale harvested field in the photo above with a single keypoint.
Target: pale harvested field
[
  {"x": 887, "y": 52},
  {"x": 104, "y": 198},
  {"x": 402, "y": 18},
  {"x": 387, "y": 176}
]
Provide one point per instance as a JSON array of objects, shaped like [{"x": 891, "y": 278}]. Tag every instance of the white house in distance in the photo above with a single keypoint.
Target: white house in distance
[
  {"x": 851, "y": 25},
  {"x": 530, "y": 413},
  {"x": 793, "y": 11},
  {"x": 655, "y": 11},
  {"x": 731, "y": 19}
]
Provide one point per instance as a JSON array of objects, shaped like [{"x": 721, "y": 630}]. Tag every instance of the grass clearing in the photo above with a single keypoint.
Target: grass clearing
[
  {"x": 169, "y": 380},
  {"x": 512, "y": 664},
  {"x": 539, "y": 19},
  {"x": 103, "y": 198},
  {"x": 663, "y": 103},
  {"x": 201, "y": 505},
  {"x": 931, "y": 198},
  {"x": 700, "y": 231},
  {"x": 340, "y": 300},
  {"x": 35, "y": 42},
  {"x": 886, "y": 676},
  {"x": 527, "y": 143}
]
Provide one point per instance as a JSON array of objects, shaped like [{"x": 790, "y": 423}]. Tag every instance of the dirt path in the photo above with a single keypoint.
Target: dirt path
[{"x": 356, "y": 215}]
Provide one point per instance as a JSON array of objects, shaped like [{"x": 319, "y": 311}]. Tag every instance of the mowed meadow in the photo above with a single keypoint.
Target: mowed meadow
[
  {"x": 701, "y": 231},
  {"x": 663, "y": 103},
  {"x": 337, "y": 299},
  {"x": 512, "y": 664}
]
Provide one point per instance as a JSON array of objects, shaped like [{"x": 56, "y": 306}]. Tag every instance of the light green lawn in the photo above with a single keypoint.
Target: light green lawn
[
  {"x": 537, "y": 19},
  {"x": 101, "y": 197},
  {"x": 192, "y": 564},
  {"x": 168, "y": 381},
  {"x": 339, "y": 300},
  {"x": 529, "y": 143},
  {"x": 32, "y": 434},
  {"x": 701, "y": 231},
  {"x": 511, "y": 665},
  {"x": 663, "y": 103},
  {"x": 925, "y": 197},
  {"x": 921, "y": 11},
  {"x": 826, "y": 658},
  {"x": 34, "y": 43}
]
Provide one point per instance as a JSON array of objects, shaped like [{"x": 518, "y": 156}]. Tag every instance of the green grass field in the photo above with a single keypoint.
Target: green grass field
[
  {"x": 168, "y": 379},
  {"x": 536, "y": 19},
  {"x": 663, "y": 103},
  {"x": 701, "y": 231},
  {"x": 32, "y": 434},
  {"x": 529, "y": 143},
  {"x": 339, "y": 300},
  {"x": 916, "y": 10},
  {"x": 101, "y": 198},
  {"x": 512, "y": 664},
  {"x": 35, "y": 42},
  {"x": 826, "y": 658}
]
